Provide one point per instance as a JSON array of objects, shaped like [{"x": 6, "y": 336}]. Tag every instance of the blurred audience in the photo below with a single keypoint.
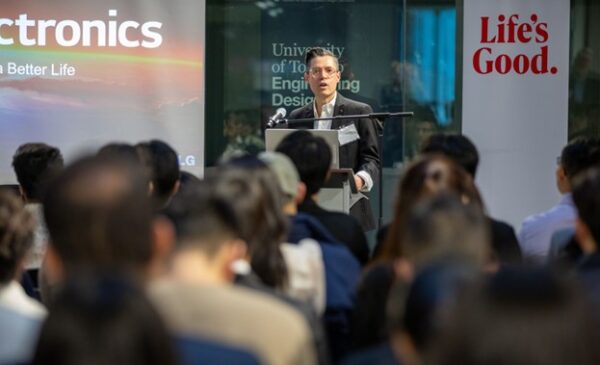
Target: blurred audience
[
  {"x": 519, "y": 317},
  {"x": 537, "y": 230},
  {"x": 312, "y": 158},
  {"x": 162, "y": 162},
  {"x": 401, "y": 253},
  {"x": 463, "y": 152},
  {"x": 197, "y": 296},
  {"x": 35, "y": 164},
  {"x": 103, "y": 319},
  {"x": 20, "y": 316}
]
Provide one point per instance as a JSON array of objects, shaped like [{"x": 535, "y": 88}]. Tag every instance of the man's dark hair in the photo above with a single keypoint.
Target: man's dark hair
[
  {"x": 318, "y": 52},
  {"x": 102, "y": 319},
  {"x": 35, "y": 164},
  {"x": 456, "y": 147},
  {"x": 16, "y": 235},
  {"x": 312, "y": 157},
  {"x": 120, "y": 151},
  {"x": 99, "y": 216},
  {"x": 163, "y": 162},
  {"x": 579, "y": 155},
  {"x": 201, "y": 218},
  {"x": 586, "y": 196}
]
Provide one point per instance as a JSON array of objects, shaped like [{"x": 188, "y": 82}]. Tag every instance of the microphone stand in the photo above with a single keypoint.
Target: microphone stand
[{"x": 380, "y": 116}]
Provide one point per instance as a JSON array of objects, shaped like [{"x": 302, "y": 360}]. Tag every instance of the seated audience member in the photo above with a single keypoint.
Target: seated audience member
[
  {"x": 187, "y": 178},
  {"x": 103, "y": 320},
  {"x": 424, "y": 178},
  {"x": 291, "y": 273},
  {"x": 519, "y": 317},
  {"x": 586, "y": 196},
  {"x": 99, "y": 217},
  {"x": 342, "y": 270},
  {"x": 537, "y": 230},
  {"x": 20, "y": 316},
  {"x": 162, "y": 162},
  {"x": 312, "y": 157},
  {"x": 35, "y": 164},
  {"x": 197, "y": 296},
  {"x": 413, "y": 314},
  {"x": 463, "y": 152}
]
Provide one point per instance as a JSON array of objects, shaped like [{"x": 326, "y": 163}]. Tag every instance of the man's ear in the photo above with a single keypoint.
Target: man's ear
[
  {"x": 163, "y": 240},
  {"x": 176, "y": 187},
  {"x": 306, "y": 76},
  {"x": 301, "y": 193},
  {"x": 22, "y": 193},
  {"x": 404, "y": 270},
  {"x": 235, "y": 250},
  {"x": 584, "y": 237}
]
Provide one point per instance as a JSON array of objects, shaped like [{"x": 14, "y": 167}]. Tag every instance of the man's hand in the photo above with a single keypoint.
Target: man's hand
[{"x": 359, "y": 182}]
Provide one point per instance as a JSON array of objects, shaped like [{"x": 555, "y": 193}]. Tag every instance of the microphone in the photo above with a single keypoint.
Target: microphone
[{"x": 274, "y": 120}]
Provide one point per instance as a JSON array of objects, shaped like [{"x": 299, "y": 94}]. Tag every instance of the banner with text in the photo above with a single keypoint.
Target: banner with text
[
  {"x": 515, "y": 100},
  {"x": 78, "y": 74}
]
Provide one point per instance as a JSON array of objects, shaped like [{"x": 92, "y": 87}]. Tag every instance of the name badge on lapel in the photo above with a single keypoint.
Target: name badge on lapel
[{"x": 347, "y": 134}]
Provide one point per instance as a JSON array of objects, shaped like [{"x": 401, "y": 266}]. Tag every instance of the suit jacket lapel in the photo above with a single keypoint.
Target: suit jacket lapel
[{"x": 338, "y": 109}]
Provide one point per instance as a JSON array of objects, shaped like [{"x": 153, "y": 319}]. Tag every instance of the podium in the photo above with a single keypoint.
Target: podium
[{"x": 339, "y": 192}]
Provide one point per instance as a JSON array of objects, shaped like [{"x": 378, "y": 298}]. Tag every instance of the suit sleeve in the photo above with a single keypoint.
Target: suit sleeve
[{"x": 368, "y": 153}]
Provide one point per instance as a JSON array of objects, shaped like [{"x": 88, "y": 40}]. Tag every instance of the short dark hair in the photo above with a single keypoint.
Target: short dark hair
[
  {"x": 35, "y": 164},
  {"x": 579, "y": 155},
  {"x": 318, "y": 52},
  {"x": 456, "y": 147},
  {"x": 99, "y": 215},
  {"x": 103, "y": 320},
  {"x": 520, "y": 316},
  {"x": 16, "y": 235},
  {"x": 586, "y": 196},
  {"x": 312, "y": 157},
  {"x": 164, "y": 165},
  {"x": 120, "y": 151},
  {"x": 202, "y": 219}
]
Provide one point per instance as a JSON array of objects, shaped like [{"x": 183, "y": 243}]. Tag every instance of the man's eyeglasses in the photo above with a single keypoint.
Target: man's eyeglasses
[{"x": 327, "y": 72}]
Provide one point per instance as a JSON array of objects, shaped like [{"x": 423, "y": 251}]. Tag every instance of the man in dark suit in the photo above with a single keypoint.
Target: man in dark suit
[{"x": 361, "y": 152}]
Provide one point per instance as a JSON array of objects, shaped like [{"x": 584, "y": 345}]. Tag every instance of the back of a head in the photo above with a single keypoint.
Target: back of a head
[
  {"x": 586, "y": 196},
  {"x": 104, "y": 320},
  {"x": 427, "y": 176},
  {"x": 16, "y": 235},
  {"x": 119, "y": 151},
  {"x": 312, "y": 157},
  {"x": 164, "y": 164},
  {"x": 520, "y": 316},
  {"x": 580, "y": 155},
  {"x": 203, "y": 221},
  {"x": 456, "y": 147},
  {"x": 99, "y": 216},
  {"x": 255, "y": 198},
  {"x": 417, "y": 311},
  {"x": 443, "y": 227},
  {"x": 35, "y": 164}
]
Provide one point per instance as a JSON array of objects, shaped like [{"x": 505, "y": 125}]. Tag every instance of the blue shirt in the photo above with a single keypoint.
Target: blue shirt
[{"x": 537, "y": 230}]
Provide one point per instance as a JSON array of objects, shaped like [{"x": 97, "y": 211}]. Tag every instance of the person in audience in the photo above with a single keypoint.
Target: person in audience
[
  {"x": 424, "y": 178},
  {"x": 99, "y": 217},
  {"x": 162, "y": 162},
  {"x": 518, "y": 317},
  {"x": 342, "y": 270},
  {"x": 586, "y": 196},
  {"x": 35, "y": 164},
  {"x": 253, "y": 192},
  {"x": 20, "y": 316},
  {"x": 414, "y": 314},
  {"x": 537, "y": 230},
  {"x": 198, "y": 299},
  {"x": 462, "y": 151},
  {"x": 291, "y": 273},
  {"x": 312, "y": 157},
  {"x": 103, "y": 319}
]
